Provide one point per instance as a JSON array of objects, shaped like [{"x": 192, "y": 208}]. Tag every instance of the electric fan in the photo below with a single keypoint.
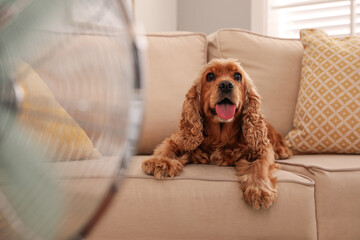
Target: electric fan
[{"x": 70, "y": 110}]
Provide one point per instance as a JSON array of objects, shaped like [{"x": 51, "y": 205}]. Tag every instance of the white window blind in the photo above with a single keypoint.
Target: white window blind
[{"x": 337, "y": 18}]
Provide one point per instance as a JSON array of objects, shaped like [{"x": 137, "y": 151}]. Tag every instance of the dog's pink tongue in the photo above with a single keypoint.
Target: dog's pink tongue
[{"x": 225, "y": 111}]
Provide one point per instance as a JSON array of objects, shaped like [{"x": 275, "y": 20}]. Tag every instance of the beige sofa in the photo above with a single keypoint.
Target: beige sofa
[{"x": 318, "y": 195}]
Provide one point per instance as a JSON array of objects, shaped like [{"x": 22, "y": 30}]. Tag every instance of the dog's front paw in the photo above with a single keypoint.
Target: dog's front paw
[
  {"x": 282, "y": 152},
  {"x": 258, "y": 193},
  {"x": 162, "y": 167}
]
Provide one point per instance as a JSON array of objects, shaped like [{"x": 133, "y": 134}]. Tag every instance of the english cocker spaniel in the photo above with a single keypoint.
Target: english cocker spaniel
[{"x": 221, "y": 123}]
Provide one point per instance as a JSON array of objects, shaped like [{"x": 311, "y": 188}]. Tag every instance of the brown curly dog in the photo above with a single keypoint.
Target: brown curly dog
[{"x": 221, "y": 123}]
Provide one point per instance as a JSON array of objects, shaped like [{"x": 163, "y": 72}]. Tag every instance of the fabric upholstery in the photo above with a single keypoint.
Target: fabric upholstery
[
  {"x": 337, "y": 192},
  {"x": 174, "y": 60},
  {"x": 274, "y": 65},
  {"x": 83, "y": 197},
  {"x": 85, "y": 184},
  {"x": 327, "y": 117},
  {"x": 205, "y": 202}
]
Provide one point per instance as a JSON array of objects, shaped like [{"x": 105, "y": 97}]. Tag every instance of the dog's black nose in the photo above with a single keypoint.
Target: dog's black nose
[{"x": 226, "y": 86}]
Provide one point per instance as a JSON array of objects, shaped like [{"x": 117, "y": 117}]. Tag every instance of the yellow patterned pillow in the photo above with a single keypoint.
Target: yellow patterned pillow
[
  {"x": 327, "y": 115},
  {"x": 48, "y": 122}
]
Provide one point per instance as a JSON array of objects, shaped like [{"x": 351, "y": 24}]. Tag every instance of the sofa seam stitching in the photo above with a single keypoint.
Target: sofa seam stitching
[
  {"x": 316, "y": 212},
  {"x": 212, "y": 180},
  {"x": 219, "y": 45},
  {"x": 322, "y": 168},
  {"x": 257, "y": 34},
  {"x": 174, "y": 35},
  {"x": 205, "y": 51}
]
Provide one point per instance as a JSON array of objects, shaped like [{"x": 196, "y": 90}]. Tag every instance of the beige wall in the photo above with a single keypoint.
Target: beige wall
[
  {"x": 211, "y": 15},
  {"x": 157, "y": 15},
  {"x": 193, "y": 15}
]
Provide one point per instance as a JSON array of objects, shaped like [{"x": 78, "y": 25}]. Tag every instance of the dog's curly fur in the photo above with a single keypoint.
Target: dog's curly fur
[{"x": 245, "y": 141}]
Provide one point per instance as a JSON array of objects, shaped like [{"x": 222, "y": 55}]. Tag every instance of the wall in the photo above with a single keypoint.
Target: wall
[
  {"x": 157, "y": 15},
  {"x": 193, "y": 15},
  {"x": 211, "y": 15}
]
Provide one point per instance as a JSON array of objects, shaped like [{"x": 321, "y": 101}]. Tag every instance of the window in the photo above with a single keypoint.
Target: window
[{"x": 284, "y": 18}]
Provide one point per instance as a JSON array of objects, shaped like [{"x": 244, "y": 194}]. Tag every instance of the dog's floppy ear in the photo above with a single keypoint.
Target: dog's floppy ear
[
  {"x": 254, "y": 129},
  {"x": 190, "y": 135}
]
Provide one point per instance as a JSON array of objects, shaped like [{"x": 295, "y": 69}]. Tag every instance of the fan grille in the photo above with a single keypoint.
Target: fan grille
[{"x": 69, "y": 128}]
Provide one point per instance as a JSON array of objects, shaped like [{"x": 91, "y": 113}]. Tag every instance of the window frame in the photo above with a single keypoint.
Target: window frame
[{"x": 260, "y": 12}]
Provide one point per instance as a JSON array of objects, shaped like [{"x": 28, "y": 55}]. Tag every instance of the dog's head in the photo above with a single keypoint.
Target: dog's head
[
  {"x": 222, "y": 90},
  {"x": 222, "y": 93}
]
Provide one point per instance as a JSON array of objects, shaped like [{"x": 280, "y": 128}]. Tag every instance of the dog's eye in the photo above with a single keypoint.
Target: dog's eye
[
  {"x": 237, "y": 77},
  {"x": 210, "y": 77}
]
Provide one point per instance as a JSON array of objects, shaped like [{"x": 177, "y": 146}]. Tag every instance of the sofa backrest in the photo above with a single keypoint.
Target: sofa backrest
[
  {"x": 273, "y": 64},
  {"x": 173, "y": 62}
]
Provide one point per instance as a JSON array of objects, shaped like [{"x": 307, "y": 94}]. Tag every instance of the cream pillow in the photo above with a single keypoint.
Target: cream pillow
[
  {"x": 327, "y": 115},
  {"x": 47, "y": 122}
]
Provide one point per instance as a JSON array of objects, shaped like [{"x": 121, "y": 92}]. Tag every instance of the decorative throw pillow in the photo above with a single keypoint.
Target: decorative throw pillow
[
  {"x": 45, "y": 120},
  {"x": 327, "y": 115}
]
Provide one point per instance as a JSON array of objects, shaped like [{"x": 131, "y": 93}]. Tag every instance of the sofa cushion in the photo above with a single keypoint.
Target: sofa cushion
[
  {"x": 274, "y": 65},
  {"x": 174, "y": 60},
  {"x": 205, "y": 202},
  {"x": 327, "y": 116},
  {"x": 337, "y": 192}
]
